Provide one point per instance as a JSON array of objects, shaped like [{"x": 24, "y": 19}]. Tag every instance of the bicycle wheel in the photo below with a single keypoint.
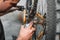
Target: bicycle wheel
[{"x": 51, "y": 20}]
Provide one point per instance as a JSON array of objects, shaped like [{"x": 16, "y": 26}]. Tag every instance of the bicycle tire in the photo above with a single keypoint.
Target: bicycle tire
[{"x": 51, "y": 20}]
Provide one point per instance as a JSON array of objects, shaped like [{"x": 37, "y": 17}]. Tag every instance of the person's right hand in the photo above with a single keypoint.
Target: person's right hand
[{"x": 26, "y": 33}]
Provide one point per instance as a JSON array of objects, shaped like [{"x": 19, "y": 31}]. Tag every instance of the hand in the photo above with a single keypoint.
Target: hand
[
  {"x": 13, "y": 1},
  {"x": 1, "y": 1},
  {"x": 26, "y": 33}
]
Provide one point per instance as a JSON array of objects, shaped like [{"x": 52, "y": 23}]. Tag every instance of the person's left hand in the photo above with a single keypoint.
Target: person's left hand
[
  {"x": 1, "y": 1},
  {"x": 13, "y": 1}
]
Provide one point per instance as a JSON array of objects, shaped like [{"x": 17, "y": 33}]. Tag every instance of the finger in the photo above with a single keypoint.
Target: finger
[
  {"x": 30, "y": 25},
  {"x": 32, "y": 34},
  {"x": 22, "y": 26},
  {"x": 33, "y": 29}
]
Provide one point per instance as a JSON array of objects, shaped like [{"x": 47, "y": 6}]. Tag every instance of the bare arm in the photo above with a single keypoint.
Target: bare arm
[{"x": 6, "y": 5}]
